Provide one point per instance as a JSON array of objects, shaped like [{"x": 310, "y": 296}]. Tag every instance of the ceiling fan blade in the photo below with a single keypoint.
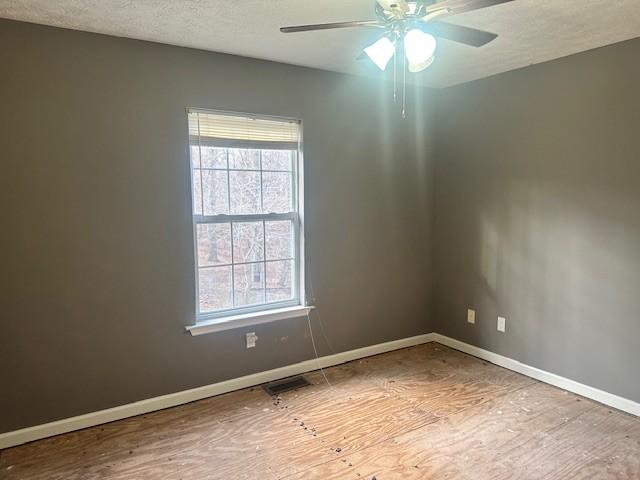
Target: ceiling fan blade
[
  {"x": 460, "y": 34},
  {"x": 460, "y": 6},
  {"x": 327, "y": 26}
]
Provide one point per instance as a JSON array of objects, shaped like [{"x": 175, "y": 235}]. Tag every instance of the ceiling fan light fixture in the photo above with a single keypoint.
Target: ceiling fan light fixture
[
  {"x": 381, "y": 52},
  {"x": 420, "y": 49}
]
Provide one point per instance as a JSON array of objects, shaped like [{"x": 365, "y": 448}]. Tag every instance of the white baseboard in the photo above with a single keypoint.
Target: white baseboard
[
  {"x": 601, "y": 396},
  {"x": 17, "y": 437}
]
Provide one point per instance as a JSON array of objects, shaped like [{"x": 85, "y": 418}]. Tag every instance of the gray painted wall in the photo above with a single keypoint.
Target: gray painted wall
[
  {"x": 537, "y": 216},
  {"x": 97, "y": 255}
]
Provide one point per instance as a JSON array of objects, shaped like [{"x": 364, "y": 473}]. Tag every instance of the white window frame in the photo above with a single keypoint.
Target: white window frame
[{"x": 266, "y": 312}]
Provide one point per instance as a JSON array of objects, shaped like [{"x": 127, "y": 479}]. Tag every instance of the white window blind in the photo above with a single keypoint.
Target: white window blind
[
  {"x": 223, "y": 130},
  {"x": 246, "y": 212}
]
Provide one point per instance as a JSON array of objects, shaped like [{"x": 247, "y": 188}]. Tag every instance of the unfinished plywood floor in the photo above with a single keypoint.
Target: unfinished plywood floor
[{"x": 418, "y": 413}]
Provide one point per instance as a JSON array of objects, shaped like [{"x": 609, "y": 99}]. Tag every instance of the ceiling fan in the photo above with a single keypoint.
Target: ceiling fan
[{"x": 414, "y": 24}]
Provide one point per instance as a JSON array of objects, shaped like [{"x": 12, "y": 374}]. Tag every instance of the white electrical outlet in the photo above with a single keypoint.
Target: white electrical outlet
[
  {"x": 251, "y": 339},
  {"x": 502, "y": 323},
  {"x": 471, "y": 316}
]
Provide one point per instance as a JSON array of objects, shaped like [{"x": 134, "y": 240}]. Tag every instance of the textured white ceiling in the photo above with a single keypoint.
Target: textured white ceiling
[{"x": 531, "y": 31}]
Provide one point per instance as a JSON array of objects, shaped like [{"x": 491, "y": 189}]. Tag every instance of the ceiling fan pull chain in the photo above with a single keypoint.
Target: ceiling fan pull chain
[
  {"x": 395, "y": 69},
  {"x": 404, "y": 82}
]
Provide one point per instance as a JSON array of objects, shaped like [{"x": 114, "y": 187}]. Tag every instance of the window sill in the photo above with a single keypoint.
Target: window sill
[{"x": 246, "y": 320}]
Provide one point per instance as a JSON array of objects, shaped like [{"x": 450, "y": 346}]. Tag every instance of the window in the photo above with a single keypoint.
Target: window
[{"x": 246, "y": 213}]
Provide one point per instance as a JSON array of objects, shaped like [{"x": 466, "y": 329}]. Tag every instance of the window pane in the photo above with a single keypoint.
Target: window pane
[
  {"x": 279, "y": 240},
  {"x": 213, "y": 157},
  {"x": 194, "y": 154},
  {"x": 249, "y": 284},
  {"x": 277, "y": 159},
  {"x": 215, "y": 190},
  {"x": 248, "y": 242},
  {"x": 276, "y": 192},
  {"x": 197, "y": 192},
  {"x": 215, "y": 288},
  {"x": 214, "y": 244},
  {"x": 244, "y": 159},
  {"x": 279, "y": 284},
  {"x": 245, "y": 192}
]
